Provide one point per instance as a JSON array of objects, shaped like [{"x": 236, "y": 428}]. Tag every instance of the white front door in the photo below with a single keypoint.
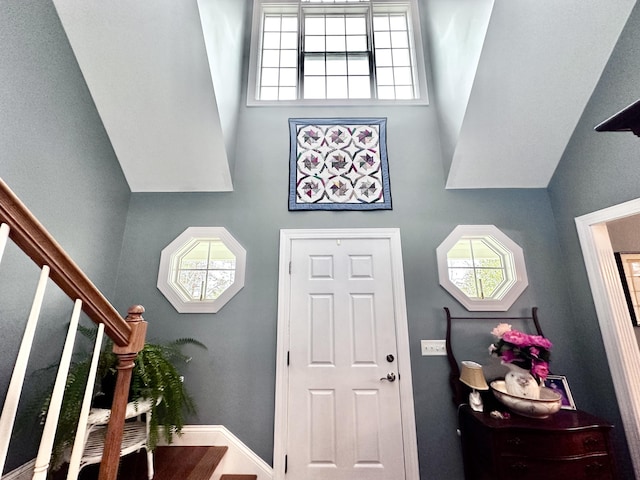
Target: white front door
[{"x": 344, "y": 415}]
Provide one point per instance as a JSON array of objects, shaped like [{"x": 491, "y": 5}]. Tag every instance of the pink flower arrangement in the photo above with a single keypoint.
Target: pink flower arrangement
[{"x": 531, "y": 352}]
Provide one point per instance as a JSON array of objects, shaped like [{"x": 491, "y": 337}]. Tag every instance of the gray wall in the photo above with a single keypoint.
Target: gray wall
[
  {"x": 55, "y": 154},
  {"x": 597, "y": 170},
  {"x": 233, "y": 383}
]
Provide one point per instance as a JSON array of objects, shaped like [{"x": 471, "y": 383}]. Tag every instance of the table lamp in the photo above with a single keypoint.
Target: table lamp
[{"x": 472, "y": 376}]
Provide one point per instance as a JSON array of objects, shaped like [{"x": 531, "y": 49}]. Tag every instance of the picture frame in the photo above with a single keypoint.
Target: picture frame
[{"x": 559, "y": 384}]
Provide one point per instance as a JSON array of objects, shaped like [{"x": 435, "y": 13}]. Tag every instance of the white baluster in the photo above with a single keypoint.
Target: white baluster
[
  {"x": 78, "y": 443},
  {"x": 50, "y": 425},
  {"x": 10, "y": 408}
]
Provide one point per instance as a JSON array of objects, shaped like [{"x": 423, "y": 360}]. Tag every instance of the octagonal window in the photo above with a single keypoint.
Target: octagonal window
[
  {"x": 201, "y": 270},
  {"x": 482, "y": 268}
]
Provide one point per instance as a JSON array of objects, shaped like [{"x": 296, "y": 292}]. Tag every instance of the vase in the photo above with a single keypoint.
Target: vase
[{"x": 520, "y": 382}]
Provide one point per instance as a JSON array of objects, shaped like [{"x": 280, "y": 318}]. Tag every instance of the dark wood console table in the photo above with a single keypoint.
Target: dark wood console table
[{"x": 569, "y": 445}]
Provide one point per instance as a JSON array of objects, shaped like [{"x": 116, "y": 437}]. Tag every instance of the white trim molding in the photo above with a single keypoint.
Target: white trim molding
[
  {"x": 239, "y": 458},
  {"x": 412, "y": 471},
  {"x": 613, "y": 315}
]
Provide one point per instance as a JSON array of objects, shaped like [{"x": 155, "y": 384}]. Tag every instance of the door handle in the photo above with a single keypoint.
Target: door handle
[{"x": 391, "y": 377}]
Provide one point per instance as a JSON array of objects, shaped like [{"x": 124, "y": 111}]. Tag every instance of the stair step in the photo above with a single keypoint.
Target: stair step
[{"x": 238, "y": 477}]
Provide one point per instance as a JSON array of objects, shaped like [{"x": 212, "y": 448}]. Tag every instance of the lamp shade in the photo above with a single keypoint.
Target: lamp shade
[{"x": 472, "y": 376}]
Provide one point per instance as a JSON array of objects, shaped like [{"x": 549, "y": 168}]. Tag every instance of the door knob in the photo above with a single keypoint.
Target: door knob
[{"x": 390, "y": 377}]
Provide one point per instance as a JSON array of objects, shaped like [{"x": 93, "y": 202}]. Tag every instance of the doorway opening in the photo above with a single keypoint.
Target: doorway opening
[{"x": 613, "y": 316}]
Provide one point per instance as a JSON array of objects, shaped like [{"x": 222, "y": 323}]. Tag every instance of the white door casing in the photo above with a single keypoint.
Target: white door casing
[
  {"x": 335, "y": 418},
  {"x": 613, "y": 316}
]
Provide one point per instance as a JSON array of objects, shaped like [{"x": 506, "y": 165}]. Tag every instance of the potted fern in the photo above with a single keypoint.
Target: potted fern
[{"x": 155, "y": 376}]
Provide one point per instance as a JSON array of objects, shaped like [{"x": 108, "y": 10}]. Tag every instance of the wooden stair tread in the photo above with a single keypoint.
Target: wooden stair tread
[{"x": 238, "y": 477}]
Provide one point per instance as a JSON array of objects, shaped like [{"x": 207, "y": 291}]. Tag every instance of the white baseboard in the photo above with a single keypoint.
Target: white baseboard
[{"x": 239, "y": 458}]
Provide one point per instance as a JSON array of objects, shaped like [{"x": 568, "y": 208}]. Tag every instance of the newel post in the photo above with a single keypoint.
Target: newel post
[{"x": 126, "y": 358}]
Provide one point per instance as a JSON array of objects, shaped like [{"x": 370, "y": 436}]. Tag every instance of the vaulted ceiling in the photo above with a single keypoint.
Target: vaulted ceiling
[{"x": 510, "y": 81}]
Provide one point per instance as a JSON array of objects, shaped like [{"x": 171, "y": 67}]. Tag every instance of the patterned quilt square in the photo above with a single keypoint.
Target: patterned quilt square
[{"x": 338, "y": 164}]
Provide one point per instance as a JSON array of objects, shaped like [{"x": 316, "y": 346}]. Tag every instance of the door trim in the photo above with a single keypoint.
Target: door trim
[
  {"x": 402, "y": 335},
  {"x": 613, "y": 316}
]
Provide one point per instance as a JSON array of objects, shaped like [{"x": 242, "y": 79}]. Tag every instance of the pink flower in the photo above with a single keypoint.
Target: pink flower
[
  {"x": 534, "y": 351},
  {"x": 517, "y": 338},
  {"x": 540, "y": 341},
  {"x": 508, "y": 356},
  {"x": 540, "y": 369},
  {"x": 500, "y": 330}
]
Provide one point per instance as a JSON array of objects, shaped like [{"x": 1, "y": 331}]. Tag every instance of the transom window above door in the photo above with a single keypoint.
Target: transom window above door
[{"x": 330, "y": 52}]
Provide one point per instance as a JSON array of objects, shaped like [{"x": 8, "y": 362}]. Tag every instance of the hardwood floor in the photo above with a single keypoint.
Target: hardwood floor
[{"x": 171, "y": 463}]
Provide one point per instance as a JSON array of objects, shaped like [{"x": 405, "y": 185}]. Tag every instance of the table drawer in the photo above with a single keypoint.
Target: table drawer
[
  {"x": 557, "y": 444},
  {"x": 590, "y": 467}
]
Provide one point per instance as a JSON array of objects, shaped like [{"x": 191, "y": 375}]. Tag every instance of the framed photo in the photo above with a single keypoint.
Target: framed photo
[{"x": 559, "y": 384}]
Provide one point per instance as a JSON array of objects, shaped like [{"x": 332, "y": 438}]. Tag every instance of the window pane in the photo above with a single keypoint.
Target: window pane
[
  {"x": 336, "y": 65},
  {"x": 314, "y": 65},
  {"x": 404, "y": 93},
  {"x": 337, "y": 87},
  {"x": 382, "y": 39},
  {"x": 314, "y": 87},
  {"x": 272, "y": 23},
  {"x": 288, "y": 93},
  {"x": 269, "y": 77},
  {"x": 384, "y": 76},
  {"x": 314, "y": 25},
  {"x": 489, "y": 281},
  {"x": 401, "y": 57},
  {"x": 380, "y": 22},
  {"x": 358, "y": 65},
  {"x": 289, "y": 40},
  {"x": 335, "y": 26},
  {"x": 289, "y": 24},
  {"x": 359, "y": 87},
  {"x": 288, "y": 77},
  {"x": 465, "y": 280},
  {"x": 356, "y": 25},
  {"x": 271, "y": 58},
  {"x": 271, "y": 40},
  {"x": 336, "y": 44},
  {"x": 217, "y": 283},
  {"x": 383, "y": 57},
  {"x": 386, "y": 93},
  {"x": 357, "y": 43},
  {"x": 269, "y": 93},
  {"x": 314, "y": 44},
  {"x": 399, "y": 40},
  {"x": 192, "y": 282},
  {"x": 289, "y": 58},
  {"x": 402, "y": 75},
  {"x": 398, "y": 22}
]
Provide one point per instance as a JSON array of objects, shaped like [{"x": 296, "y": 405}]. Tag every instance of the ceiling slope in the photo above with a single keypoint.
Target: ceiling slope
[
  {"x": 512, "y": 78},
  {"x": 146, "y": 66}
]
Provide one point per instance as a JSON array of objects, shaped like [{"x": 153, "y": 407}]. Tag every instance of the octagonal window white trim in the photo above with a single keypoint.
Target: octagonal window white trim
[
  {"x": 225, "y": 262},
  {"x": 508, "y": 282}
]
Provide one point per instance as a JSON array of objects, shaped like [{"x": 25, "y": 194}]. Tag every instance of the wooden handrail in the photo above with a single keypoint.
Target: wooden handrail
[{"x": 29, "y": 234}]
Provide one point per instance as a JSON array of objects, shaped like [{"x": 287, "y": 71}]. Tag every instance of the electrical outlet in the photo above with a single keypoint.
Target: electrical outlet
[{"x": 433, "y": 347}]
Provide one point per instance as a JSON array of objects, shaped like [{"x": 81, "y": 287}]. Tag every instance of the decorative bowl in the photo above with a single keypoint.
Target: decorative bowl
[{"x": 548, "y": 403}]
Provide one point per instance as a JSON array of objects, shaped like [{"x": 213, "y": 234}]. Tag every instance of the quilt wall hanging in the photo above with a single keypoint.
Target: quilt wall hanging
[{"x": 338, "y": 164}]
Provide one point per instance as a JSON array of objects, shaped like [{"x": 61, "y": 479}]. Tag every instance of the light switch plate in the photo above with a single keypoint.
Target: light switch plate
[{"x": 433, "y": 347}]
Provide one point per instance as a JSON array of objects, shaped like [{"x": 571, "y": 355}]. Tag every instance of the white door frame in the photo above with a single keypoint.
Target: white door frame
[
  {"x": 613, "y": 315},
  {"x": 402, "y": 334}
]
